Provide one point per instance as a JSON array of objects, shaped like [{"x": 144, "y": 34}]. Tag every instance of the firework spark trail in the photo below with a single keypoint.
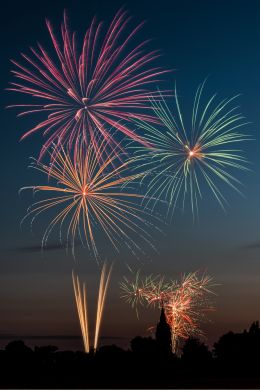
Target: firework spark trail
[
  {"x": 136, "y": 291},
  {"x": 106, "y": 84},
  {"x": 186, "y": 157},
  {"x": 185, "y": 307},
  {"x": 185, "y": 302},
  {"x": 89, "y": 195},
  {"x": 103, "y": 285},
  {"x": 81, "y": 303}
]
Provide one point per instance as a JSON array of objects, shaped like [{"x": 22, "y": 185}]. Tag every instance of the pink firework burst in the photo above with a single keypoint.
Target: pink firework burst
[{"x": 106, "y": 84}]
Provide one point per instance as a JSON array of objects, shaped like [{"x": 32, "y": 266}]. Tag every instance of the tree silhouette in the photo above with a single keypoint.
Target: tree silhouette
[
  {"x": 254, "y": 328},
  {"x": 17, "y": 347},
  {"x": 195, "y": 352},
  {"x": 239, "y": 351},
  {"x": 144, "y": 346}
]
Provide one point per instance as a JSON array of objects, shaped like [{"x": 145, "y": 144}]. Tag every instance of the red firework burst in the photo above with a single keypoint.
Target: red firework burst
[{"x": 104, "y": 85}]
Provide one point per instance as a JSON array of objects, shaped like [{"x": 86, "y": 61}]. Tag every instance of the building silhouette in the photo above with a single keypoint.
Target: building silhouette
[{"x": 163, "y": 335}]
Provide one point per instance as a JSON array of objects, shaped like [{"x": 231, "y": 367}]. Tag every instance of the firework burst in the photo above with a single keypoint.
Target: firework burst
[
  {"x": 186, "y": 307},
  {"x": 187, "y": 157},
  {"x": 88, "y": 197},
  {"x": 83, "y": 93},
  {"x": 185, "y": 302}
]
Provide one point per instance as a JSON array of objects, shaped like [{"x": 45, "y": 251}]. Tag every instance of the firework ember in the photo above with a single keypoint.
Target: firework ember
[
  {"x": 89, "y": 196},
  {"x": 189, "y": 157},
  {"x": 106, "y": 84},
  {"x": 185, "y": 302}
]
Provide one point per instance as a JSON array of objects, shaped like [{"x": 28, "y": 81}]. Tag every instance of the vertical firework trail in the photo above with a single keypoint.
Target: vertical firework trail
[
  {"x": 103, "y": 285},
  {"x": 81, "y": 303}
]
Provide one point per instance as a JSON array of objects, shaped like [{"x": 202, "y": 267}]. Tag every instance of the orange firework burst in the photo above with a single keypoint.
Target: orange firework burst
[{"x": 91, "y": 195}]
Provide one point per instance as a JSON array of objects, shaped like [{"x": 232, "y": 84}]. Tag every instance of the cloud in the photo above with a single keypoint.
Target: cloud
[
  {"x": 39, "y": 248},
  {"x": 251, "y": 246}
]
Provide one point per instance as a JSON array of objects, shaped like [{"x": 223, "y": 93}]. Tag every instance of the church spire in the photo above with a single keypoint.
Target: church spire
[{"x": 163, "y": 334}]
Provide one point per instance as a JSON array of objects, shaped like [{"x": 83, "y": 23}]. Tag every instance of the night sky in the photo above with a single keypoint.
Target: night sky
[{"x": 218, "y": 40}]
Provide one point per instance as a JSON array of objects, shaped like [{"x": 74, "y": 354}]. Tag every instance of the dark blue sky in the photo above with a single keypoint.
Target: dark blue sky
[{"x": 215, "y": 39}]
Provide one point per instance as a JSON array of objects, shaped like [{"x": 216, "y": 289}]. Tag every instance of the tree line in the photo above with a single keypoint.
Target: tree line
[{"x": 233, "y": 362}]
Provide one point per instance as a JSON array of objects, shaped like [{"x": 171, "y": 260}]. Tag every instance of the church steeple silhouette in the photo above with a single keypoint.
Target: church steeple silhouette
[{"x": 163, "y": 335}]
